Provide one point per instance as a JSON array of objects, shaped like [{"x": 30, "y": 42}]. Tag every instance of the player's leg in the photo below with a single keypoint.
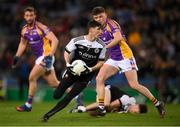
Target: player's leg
[
  {"x": 79, "y": 102},
  {"x": 94, "y": 106},
  {"x": 105, "y": 72},
  {"x": 67, "y": 80},
  {"x": 35, "y": 73},
  {"x": 79, "y": 99},
  {"x": 76, "y": 89},
  {"x": 133, "y": 83},
  {"x": 51, "y": 78},
  {"x": 62, "y": 87},
  {"x": 50, "y": 75}
]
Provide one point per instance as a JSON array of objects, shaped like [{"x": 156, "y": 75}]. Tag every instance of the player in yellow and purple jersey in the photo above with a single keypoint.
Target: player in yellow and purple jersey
[
  {"x": 121, "y": 60},
  {"x": 43, "y": 43}
]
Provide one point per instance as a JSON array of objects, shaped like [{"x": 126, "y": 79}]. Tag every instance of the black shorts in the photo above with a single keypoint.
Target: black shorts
[
  {"x": 69, "y": 77},
  {"x": 116, "y": 93},
  {"x": 78, "y": 83}
]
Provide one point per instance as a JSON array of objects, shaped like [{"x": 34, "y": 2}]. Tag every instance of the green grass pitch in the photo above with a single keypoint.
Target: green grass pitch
[{"x": 10, "y": 117}]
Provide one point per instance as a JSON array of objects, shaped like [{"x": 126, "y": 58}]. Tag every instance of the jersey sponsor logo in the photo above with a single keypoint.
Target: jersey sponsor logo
[
  {"x": 34, "y": 33},
  {"x": 86, "y": 55}
]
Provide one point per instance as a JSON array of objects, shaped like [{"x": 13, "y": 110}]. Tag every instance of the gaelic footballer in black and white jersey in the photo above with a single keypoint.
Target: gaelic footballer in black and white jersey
[{"x": 88, "y": 48}]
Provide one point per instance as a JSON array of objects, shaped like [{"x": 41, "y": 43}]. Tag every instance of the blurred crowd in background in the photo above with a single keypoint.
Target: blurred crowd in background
[{"x": 151, "y": 28}]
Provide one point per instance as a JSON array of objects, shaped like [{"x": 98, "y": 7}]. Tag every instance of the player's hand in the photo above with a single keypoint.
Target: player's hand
[
  {"x": 81, "y": 109},
  {"x": 15, "y": 61},
  {"x": 87, "y": 71},
  {"x": 69, "y": 68}
]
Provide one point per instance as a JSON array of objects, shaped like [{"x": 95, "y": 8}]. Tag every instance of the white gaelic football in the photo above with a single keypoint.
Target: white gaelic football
[{"x": 78, "y": 66}]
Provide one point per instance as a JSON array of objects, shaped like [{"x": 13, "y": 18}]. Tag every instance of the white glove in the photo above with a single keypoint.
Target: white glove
[
  {"x": 69, "y": 68},
  {"x": 87, "y": 71},
  {"x": 81, "y": 109}
]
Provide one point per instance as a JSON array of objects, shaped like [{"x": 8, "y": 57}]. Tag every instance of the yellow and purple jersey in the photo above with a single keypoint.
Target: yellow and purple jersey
[
  {"x": 121, "y": 50},
  {"x": 40, "y": 45}
]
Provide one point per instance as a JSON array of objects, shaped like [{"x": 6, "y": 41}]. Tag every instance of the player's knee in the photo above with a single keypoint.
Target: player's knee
[
  {"x": 53, "y": 83},
  {"x": 134, "y": 85},
  {"x": 99, "y": 79},
  {"x": 32, "y": 78},
  {"x": 56, "y": 95},
  {"x": 69, "y": 97}
]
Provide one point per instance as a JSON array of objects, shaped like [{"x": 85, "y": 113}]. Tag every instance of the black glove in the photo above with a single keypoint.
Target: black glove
[
  {"x": 15, "y": 61},
  {"x": 87, "y": 71}
]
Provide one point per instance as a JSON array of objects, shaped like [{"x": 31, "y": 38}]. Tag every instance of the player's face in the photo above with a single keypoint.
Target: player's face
[
  {"x": 96, "y": 32},
  {"x": 101, "y": 18},
  {"x": 29, "y": 17},
  {"x": 134, "y": 109}
]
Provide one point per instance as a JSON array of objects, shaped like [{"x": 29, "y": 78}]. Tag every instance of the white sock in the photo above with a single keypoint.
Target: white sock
[
  {"x": 157, "y": 104},
  {"x": 101, "y": 106},
  {"x": 28, "y": 105}
]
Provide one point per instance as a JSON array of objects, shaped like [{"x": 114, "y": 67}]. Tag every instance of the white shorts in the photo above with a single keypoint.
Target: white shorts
[
  {"x": 123, "y": 65},
  {"x": 39, "y": 60}
]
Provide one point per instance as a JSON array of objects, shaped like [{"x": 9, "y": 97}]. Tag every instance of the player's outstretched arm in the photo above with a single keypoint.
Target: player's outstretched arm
[
  {"x": 92, "y": 106},
  {"x": 21, "y": 49},
  {"x": 115, "y": 104},
  {"x": 22, "y": 45}
]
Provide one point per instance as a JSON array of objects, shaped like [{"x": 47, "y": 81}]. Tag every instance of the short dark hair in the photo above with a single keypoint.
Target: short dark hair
[
  {"x": 97, "y": 10},
  {"x": 30, "y": 9},
  {"x": 143, "y": 108},
  {"x": 93, "y": 23}
]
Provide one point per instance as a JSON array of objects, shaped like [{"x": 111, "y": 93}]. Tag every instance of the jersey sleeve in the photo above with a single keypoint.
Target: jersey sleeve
[
  {"x": 70, "y": 46},
  {"x": 102, "y": 55},
  {"x": 23, "y": 37},
  {"x": 45, "y": 30},
  {"x": 115, "y": 26},
  {"x": 23, "y": 32}
]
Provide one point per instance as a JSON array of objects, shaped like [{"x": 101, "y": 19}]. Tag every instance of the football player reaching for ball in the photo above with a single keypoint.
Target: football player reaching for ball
[
  {"x": 88, "y": 48},
  {"x": 115, "y": 101}
]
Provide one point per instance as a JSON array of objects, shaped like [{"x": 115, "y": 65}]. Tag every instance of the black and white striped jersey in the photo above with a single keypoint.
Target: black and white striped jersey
[{"x": 89, "y": 52}]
